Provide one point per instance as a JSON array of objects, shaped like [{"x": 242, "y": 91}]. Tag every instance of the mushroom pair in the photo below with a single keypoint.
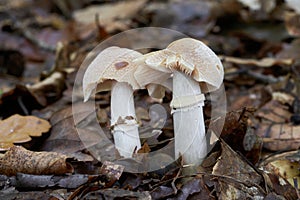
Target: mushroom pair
[{"x": 195, "y": 69}]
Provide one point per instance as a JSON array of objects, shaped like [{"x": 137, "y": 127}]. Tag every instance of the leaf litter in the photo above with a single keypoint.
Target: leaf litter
[{"x": 261, "y": 60}]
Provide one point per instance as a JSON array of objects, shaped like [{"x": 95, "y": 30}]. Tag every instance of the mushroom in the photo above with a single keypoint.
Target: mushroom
[
  {"x": 113, "y": 69},
  {"x": 196, "y": 70}
]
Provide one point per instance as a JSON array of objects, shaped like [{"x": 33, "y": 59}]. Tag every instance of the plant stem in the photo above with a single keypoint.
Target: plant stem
[
  {"x": 125, "y": 130},
  {"x": 189, "y": 129}
]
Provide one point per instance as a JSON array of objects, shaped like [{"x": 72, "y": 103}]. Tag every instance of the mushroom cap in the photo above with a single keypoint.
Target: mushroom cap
[
  {"x": 112, "y": 64},
  {"x": 200, "y": 61},
  {"x": 190, "y": 56}
]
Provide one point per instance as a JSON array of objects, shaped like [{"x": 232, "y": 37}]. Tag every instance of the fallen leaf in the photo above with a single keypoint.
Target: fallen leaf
[
  {"x": 275, "y": 112},
  {"x": 113, "y": 16},
  {"x": 195, "y": 18},
  {"x": 11, "y": 62},
  {"x": 193, "y": 189},
  {"x": 48, "y": 90},
  {"x": 238, "y": 134},
  {"x": 64, "y": 137},
  {"x": 236, "y": 179},
  {"x": 30, "y": 181},
  {"x": 144, "y": 149},
  {"x": 113, "y": 193},
  {"x": 231, "y": 164},
  {"x": 295, "y": 5},
  {"x": 279, "y": 137},
  {"x": 290, "y": 51},
  {"x": 292, "y": 23},
  {"x": 264, "y": 62},
  {"x": 19, "y": 160},
  {"x": 112, "y": 171},
  {"x": 279, "y": 185},
  {"x": 283, "y": 165},
  {"x": 18, "y": 129}
]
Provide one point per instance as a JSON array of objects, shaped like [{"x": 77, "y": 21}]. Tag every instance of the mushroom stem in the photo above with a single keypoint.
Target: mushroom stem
[
  {"x": 123, "y": 119},
  {"x": 189, "y": 129}
]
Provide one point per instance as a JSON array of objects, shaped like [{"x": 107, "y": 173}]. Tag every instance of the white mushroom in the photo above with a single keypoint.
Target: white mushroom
[
  {"x": 113, "y": 69},
  {"x": 196, "y": 70}
]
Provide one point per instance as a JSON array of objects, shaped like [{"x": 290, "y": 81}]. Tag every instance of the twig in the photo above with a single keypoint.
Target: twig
[
  {"x": 296, "y": 187},
  {"x": 23, "y": 107},
  {"x": 29, "y": 36},
  {"x": 263, "y": 78},
  {"x": 257, "y": 76}
]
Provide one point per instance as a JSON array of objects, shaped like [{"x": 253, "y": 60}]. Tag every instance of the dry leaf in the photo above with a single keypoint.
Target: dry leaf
[
  {"x": 19, "y": 160},
  {"x": 284, "y": 166},
  {"x": 64, "y": 137},
  {"x": 112, "y": 171},
  {"x": 18, "y": 129},
  {"x": 264, "y": 62},
  {"x": 49, "y": 89},
  {"x": 279, "y": 137},
  {"x": 237, "y": 179},
  {"x": 275, "y": 112},
  {"x": 292, "y": 23},
  {"x": 294, "y": 4},
  {"x": 112, "y": 16}
]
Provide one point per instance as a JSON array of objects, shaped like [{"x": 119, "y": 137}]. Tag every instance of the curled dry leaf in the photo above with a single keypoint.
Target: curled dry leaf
[
  {"x": 20, "y": 160},
  {"x": 113, "y": 16},
  {"x": 18, "y": 129},
  {"x": 48, "y": 90},
  {"x": 283, "y": 165},
  {"x": 264, "y": 62}
]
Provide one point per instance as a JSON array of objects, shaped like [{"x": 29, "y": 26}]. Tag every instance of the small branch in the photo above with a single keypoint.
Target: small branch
[
  {"x": 29, "y": 36},
  {"x": 257, "y": 76},
  {"x": 32, "y": 38}
]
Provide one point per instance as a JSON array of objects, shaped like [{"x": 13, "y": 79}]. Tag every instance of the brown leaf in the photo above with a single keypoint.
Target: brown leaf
[
  {"x": 280, "y": 186},
  {"x": 18, "y": 129},
  {"x": 283, "y": 166},
  {"x": 112, "y": 171},
  {"x": 113, "y": 16},
  {"x": 292, "y": 23},
  {"x": 64, "y": 136},
  {"x": 231, "y": 164},
  {"x": 50, "y": 89},
  {"x": 236, "y": 178},
  {"x": 279, "y": 137},
  {"x": 193, "y": 189},
  {"x": 275, "y": 112},
  {"x": 144, "y": 149},
  {"x": 20, "y": 160},
  {"x": 238, "y": 134},
  {"x": 264, "y": 62}
]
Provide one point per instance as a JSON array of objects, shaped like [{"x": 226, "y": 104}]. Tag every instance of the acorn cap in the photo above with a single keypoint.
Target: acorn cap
[{"x": 112, "y": 64}]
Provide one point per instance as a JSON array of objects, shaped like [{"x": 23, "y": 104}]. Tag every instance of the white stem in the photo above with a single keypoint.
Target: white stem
[
  {"x": 126, "y": 135},
  {"x": 189, "y": 129}
]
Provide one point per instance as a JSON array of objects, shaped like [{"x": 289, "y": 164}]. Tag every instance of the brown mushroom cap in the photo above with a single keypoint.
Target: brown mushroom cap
[
  {"x": 187, "y": 55},
  {"x": 112, "y": 64}
]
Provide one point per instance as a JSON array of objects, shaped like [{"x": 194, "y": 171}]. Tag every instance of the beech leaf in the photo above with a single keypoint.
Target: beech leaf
[{"x": 18, "y": 129}]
